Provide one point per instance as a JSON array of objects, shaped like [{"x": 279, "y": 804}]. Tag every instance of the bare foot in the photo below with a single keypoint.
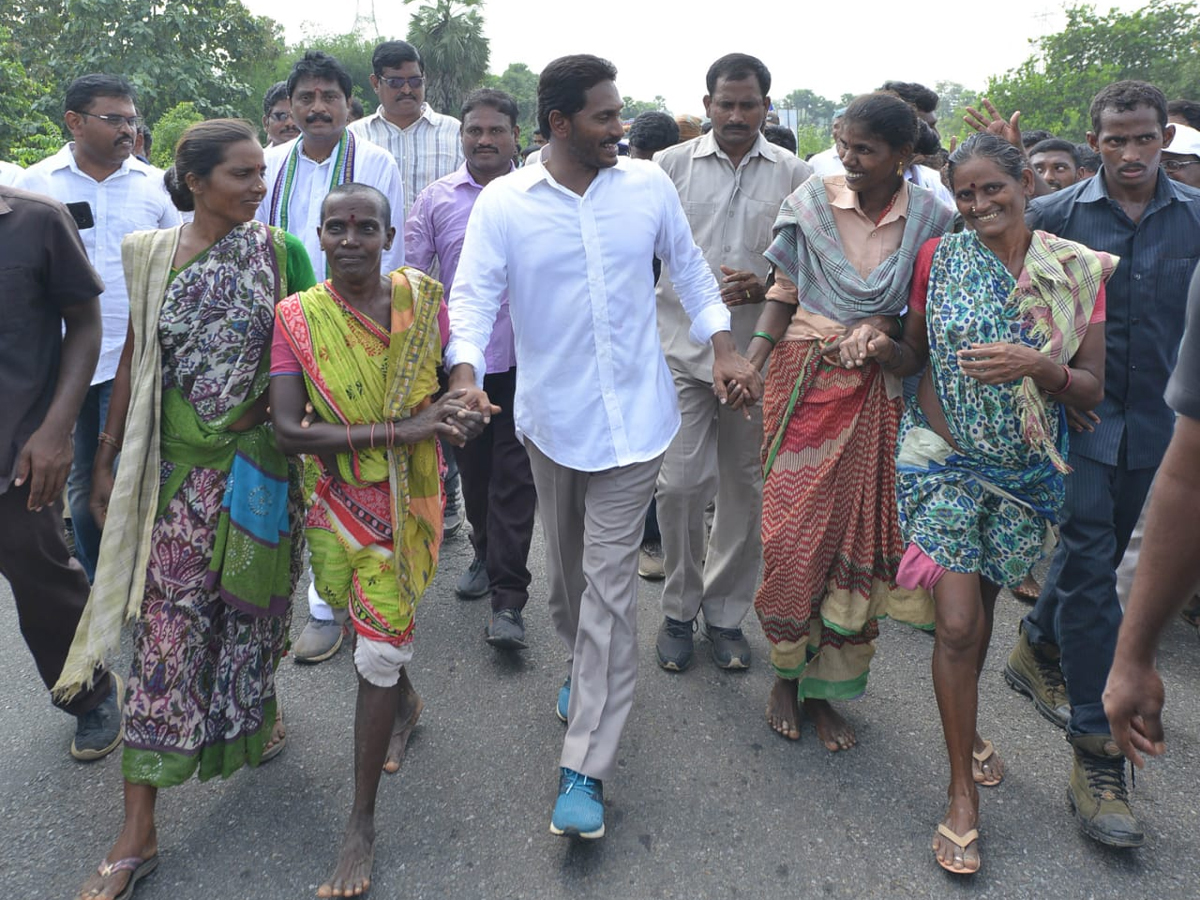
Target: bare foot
[
  {"x": 400, "y": 735},
  {"x": 105, "y": 883},
  {"x": 961, "y": 818},
  {"x": 1028, "y": 590},
  {"x": 277, "y": 741},
  {"x": 987, "y": 767},
  {"x": 783, "y": 709},
  {"x": 352, "y": 877},
  {"x": 834, "y": 731}
]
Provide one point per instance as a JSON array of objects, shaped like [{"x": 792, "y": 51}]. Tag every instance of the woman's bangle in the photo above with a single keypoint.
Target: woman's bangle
[
  {"x": 1067, "y": 384},
  {"x": 766, "y": 337},
  {"x": 391, "y": 438},
  {"x": 106, "y": 438},
  {"x": 348, "y": 441},
  {"x": 372, "y": 436}
]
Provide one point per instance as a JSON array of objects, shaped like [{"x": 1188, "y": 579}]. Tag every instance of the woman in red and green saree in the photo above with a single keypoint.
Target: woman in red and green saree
[
  {"x": 1011, "y": 323},
  {"x": 843, "y": 253},
  {"x": 201, "y": 549},
  {"x": 363, "y": 350}
]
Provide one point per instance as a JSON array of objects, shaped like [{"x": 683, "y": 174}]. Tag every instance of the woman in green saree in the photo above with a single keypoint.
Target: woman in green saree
[{"x": 201, "y": 548}]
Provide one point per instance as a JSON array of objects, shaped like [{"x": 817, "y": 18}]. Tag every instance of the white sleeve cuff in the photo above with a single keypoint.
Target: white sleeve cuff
[
  {"x": 710, "y": 320},
  {"x": 459, "y": 352}
]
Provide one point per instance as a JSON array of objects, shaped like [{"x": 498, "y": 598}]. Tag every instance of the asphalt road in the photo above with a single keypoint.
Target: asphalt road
[{"x": 708, "y": 802}]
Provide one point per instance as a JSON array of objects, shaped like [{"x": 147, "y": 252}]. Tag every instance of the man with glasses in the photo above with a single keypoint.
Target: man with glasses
[
  {"x": 111, "y": 194},
  {"x": 425, "y": 143},
  {"x": 277, "y": 120}
]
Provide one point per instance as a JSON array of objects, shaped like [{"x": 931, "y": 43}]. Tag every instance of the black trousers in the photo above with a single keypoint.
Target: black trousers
[
  {"x": 499, "y": 496},
  {"x": 50, "y": 588}
]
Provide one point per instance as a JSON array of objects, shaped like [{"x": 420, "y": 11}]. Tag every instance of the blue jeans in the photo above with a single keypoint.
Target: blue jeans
[
  {"x": 92, "y": 416},
  {"x": 1078, "y": 609}
]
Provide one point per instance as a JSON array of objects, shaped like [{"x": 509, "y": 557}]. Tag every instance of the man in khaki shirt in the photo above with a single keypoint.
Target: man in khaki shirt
[{"x": 732, "y": 182}]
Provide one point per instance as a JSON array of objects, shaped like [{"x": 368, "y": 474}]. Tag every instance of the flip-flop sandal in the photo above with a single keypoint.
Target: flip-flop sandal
[
  {"x": 137, "y": 868},
  {"x": 275, "y": 749},
  {"x": 1025, "y": 596},
  {"x": 982, "y": 756},
  {"x": 962, "y": 841}
]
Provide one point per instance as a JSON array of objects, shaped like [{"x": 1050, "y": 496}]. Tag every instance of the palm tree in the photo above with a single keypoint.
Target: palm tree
[{"x": 449, "y": 36}]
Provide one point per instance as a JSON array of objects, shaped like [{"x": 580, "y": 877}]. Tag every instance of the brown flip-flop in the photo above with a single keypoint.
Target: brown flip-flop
[
  {"x": 982, "y": 756},
  {"x": 962, "y": 841}
]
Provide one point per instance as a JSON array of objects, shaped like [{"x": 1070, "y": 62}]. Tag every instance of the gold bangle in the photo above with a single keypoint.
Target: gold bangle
[{"x": 106, "y": 438}]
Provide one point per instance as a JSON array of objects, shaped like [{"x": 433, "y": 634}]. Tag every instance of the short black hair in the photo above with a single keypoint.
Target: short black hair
[
  {"x": 147, "y": 139},
  {"x": 781, "y": 137},
  {"x": 320, "y": 65},
  {"x": 653, "y": 130},
  {"x": 1056, "y": 145},
  {"x": 1035, "y": 136},
  {"x": 1188, "y": 110},
  {"x": 1121, "y": 96},
  {"x": 498, "y": 100},
  {"x": 923, "y": 98},
  {"x": 394, "y": 54},
  {"x": 83, "y": 91},
  {"x": 1088, "y": 158},
  {"x": 276, "y": 92},
  {"x": 888, "y": 118},
  {"x": 356, "y": 108},
  {"x": 350, "y": 189},
  {"x": 564, "y": 83},
  {"x": 735, "y": 67}
]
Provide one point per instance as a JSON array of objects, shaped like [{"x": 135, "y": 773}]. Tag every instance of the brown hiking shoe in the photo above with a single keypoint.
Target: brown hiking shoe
[
  {"x": 1097, "y": 792},
  {"x": 1034, "y": 670}
]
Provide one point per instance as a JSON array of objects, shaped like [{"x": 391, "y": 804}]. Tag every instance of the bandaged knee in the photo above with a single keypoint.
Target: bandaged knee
[{"x": 380, "y": 663}]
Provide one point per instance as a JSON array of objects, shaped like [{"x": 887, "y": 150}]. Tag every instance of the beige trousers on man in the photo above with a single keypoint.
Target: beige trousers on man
[
  {"x": 716, "y": 454},
  {"x": 593, "y": 524}
]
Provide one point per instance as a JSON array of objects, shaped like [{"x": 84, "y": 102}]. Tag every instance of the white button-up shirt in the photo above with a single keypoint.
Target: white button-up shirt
[
  {"x": 372, "y": 166},
  {"x": 132, "y": 198},
  {"x": 593, "y": 389},
  {"x": 428, "y": 149}
]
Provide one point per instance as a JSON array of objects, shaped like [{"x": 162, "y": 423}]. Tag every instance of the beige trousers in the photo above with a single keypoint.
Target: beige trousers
[
  {"x": 593, "y": 525},
  {"x": 716, "y": 454}
]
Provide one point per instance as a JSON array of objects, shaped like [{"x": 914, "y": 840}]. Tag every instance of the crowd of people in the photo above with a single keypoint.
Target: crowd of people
[{"x": 885, "y": 381}]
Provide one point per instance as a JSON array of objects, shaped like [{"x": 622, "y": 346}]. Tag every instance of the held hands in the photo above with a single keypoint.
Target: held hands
[
  {"x": 448, "y": 417},
  {"x": 739, "y": 287},
  {"x": 994, "y": 123},
  {"x": 853, "y": 350},
  {"x": 1133, "y": 702},
  {"x": 736, "y": 382},
  {"x": 45, "y": 462},
  {"x": 998, "y": 363}
]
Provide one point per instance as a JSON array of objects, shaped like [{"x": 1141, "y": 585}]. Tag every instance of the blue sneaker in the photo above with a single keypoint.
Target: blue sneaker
[
  {"x": 579, "y": 810},
  {"x": 564, "y": 700}
]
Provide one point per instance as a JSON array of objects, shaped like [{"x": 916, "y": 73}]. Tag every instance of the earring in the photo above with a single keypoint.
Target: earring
[{"x": 899, "y": 168}]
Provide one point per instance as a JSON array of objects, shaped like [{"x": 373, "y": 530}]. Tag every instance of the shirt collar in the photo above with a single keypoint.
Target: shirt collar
[
  {"x": 539, "y": 173},
  {"x": 706, "y": 145},
  {"x": 1165, "y": 190},
  {"x": 462, "y": 175},
  {"x": 427, "y": 114},
  {"x": 65, "y": 159},
  {"x": 844, "y": 198}
]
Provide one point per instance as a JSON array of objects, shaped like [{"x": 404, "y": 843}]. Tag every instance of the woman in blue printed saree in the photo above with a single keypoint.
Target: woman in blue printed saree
[
  {"x": 202, "y": 543},
  {"x": 1012, "y": 325}
]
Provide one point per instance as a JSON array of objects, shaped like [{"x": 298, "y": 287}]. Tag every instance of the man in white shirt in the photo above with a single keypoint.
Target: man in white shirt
[
  {"x": 10, "y": 172},
  {"x": 731, "y": 182},
  {"x": 122, "y": 194},
  {"x": 424, "y": 143},
  {"x": 299, "y": 175},
  {"x": 571, "y": 241}
]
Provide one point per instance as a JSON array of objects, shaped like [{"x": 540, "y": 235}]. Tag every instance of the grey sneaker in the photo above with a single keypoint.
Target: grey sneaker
[
  {"x": 674, "y": 644},
  {"x": 506, "y": 631},
  {"x": 99, "y": 731},
  {"x": 452, "y": 515},
  {"x": 320, "y": 639},
  {"x": 650, "y": 561},
  {"x": 473, "y": 583},
  {"x": 730, "y": 649}
]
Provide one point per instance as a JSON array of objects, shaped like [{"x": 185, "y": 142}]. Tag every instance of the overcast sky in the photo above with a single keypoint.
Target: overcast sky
[{"x": 665, "y": 46}]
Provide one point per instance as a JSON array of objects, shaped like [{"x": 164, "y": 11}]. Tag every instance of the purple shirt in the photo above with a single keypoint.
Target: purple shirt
[{"x": 435, "y": 229}]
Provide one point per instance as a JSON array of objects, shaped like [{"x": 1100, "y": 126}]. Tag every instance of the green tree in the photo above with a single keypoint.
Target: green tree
[
  {"x": 1053, "y": 88},
  {"x": 519, "y": 82},
  {"x": 811, "y": 139},
  {"x": 633, "y": 108},
  {"x": 953, "y": 100},
  {"x": 197, "y": 50},
  {"x": 169, "y": 128},
  {"x": 810, "y": 108},
  {"x": 449, "y": 34},
  {"x": 26, "y": 135}
]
